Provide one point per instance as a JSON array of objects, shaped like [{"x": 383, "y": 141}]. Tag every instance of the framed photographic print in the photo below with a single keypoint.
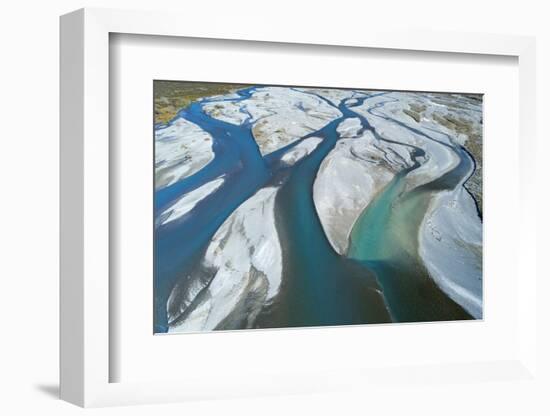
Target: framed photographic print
[{"x": 292, "y": 212}]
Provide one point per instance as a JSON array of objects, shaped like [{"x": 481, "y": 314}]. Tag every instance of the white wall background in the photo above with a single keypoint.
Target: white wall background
[{"x": 29, "y": 57}]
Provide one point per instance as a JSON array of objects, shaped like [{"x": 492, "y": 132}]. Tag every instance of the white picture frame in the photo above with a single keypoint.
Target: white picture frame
[{"x": 85, "y": 220}]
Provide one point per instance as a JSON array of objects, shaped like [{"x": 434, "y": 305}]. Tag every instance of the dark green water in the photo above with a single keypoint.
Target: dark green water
[{"x": 385, "y": 239}]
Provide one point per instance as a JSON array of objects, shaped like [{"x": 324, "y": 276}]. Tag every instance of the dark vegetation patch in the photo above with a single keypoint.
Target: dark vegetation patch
[
  {"x": 172, "y": 96},
  {"x": 415, "y": 111}
]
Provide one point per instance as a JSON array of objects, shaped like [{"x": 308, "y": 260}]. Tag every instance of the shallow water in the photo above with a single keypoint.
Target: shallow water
[{"x": 385, "y": 239}]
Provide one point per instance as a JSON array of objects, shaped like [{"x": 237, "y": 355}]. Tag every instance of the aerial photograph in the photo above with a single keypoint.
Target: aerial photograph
[{"x": 300, "y": 206}]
